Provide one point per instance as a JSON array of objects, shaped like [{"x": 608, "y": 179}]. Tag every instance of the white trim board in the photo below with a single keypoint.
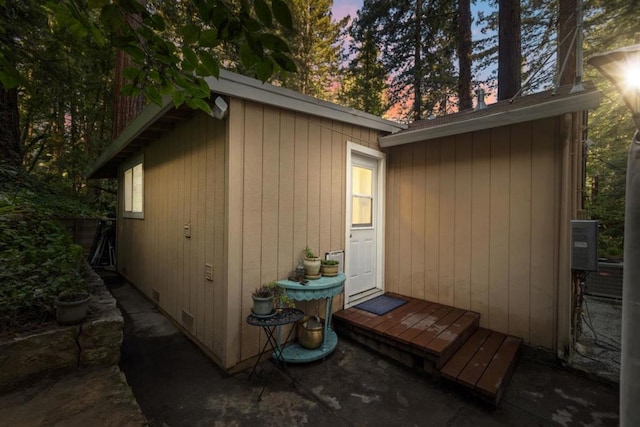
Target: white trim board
[{"x": 380, "y": 223}]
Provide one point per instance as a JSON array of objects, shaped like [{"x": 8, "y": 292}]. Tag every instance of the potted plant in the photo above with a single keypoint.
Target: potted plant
[
  {"x": 263, "y": 300},
  {"x": 311, "y": 264},
  {"x": 72, "y": 306},
  {"x": 329, "y": 267},
  {"x": 268, "y": 298}
]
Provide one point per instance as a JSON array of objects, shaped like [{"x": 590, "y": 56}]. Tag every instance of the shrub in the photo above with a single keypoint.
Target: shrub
[{"x": 38, "y": 261}]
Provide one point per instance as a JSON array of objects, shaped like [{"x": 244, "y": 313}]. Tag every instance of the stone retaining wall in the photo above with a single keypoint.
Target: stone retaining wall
[{"x": 95, "y": 342}]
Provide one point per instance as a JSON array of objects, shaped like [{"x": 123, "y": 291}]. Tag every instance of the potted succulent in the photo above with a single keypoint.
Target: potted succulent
[
  {"x": 329, "y": 267},
  {"x": 72, "y": 307},
  {"x": 263, "y": 300},
  {"x": 268, "y": 298},
  {"x": 311, "y": 264}
]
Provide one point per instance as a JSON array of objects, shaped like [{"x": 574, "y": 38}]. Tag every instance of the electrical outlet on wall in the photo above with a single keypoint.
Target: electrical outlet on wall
[
  {"x": 208, "y": 272},
  {"x": 187, "y": 230}
]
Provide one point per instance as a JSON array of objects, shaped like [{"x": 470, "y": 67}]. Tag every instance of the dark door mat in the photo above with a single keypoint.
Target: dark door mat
[{"x": 381, "y": 305}]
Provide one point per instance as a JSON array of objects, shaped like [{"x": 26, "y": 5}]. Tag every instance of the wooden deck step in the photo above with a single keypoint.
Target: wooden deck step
[
  {"x": 484, "y": 364},
  {"x": 429, "y": 332},
  {"x": 435, "y": 337}
]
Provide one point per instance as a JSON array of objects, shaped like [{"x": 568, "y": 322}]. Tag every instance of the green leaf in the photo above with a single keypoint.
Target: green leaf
[
  {"x": 275, "y": 43},
  {"x": 178, "y": 98},
  {"x": 263, "y": 12},
  {"x": 130, "y": 90},
  {"x": 131, "y": 73},
  {"x": 153, "y": 95},
  {"x": 282, "y": 13},
  {"x": 190, "y": 33},
  {"x": 212, "y": 65},
  {"x": 157, "y": 22},
  {"x": 208, "y": 38},
  {"x": 135, "y": 52},
  {"x": 264, "y": 69},
  {"x": 247, "y": 56},
  {"x": 190, "y": 56},
  {"x": 166, "y": 88},
  {"x": 198, "y": 104},
  {"x": 284, "y": 61}
]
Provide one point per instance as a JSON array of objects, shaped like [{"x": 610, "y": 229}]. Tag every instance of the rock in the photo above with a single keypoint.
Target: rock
[{"x": 24, "y": 358}]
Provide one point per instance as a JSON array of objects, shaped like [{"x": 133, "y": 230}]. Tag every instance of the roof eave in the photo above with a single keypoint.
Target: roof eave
[
  {"x": 149, "y": 115},
  {"x": 586, "y": 100},
  {"x": 244, "y": 87}
]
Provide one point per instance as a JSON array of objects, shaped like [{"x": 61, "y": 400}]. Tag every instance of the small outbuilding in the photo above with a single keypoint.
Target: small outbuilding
[
  {"x": 471, "y": 210},
  {"x": 209, "y": 209}
]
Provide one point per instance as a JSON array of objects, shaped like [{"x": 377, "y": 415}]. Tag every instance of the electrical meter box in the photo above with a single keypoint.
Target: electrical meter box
[{"x": 584, "y": 245}]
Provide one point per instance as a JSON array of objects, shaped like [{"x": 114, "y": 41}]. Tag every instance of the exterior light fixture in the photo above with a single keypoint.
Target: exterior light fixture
[{"x": 622, "y": 68}]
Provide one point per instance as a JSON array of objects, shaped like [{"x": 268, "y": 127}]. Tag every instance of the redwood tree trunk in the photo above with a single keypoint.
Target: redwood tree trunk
[
  {"x": 464, "y": 54},
  {"x": 10, "y": 149},
  {"x": 509, "y": 49},
  {"x": 125, "y": 108}
]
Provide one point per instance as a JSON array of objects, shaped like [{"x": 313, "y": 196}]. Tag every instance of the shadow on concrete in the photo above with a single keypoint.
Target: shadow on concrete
[{"x": 177, "y": 385}]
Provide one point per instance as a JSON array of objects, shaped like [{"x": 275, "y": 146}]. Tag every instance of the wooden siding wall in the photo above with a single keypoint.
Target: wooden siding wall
[
  {"x": 287, "y": 179},
  {"x": 472, "y": 221},
  {"x": 184, "y": 182}
]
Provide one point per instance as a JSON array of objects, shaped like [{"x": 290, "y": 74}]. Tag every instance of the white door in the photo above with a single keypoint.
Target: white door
[{"x": 364, "y": 223}]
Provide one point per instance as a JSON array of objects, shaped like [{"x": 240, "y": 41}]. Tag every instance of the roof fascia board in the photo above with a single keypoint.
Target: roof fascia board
[
  {"x": 243, "y": 87},
  {"x": 149, "y": 115},
  {"x": 579, "y": 102}
]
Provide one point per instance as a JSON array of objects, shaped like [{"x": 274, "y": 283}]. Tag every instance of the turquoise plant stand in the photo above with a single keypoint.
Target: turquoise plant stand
[{"x": 327, "y": 288}]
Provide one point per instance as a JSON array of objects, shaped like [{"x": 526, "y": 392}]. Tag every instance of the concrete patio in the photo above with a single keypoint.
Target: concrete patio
[{"x": 175, "y": 384}]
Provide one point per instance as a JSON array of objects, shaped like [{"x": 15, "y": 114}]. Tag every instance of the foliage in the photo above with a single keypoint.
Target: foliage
[
  {"x": 315, "y": 48},
  {"x": 308, "y": 253},
  {"x": 364, "y": 82},
  {"x": 418, "y": 45},
  {"x": 329, "y": 262},
  {"x": 610, "y": 25},
  {"x": 163, "y": 65},
  {"x": 275, "y": 291},
  {"x": 38, "y": 261}
]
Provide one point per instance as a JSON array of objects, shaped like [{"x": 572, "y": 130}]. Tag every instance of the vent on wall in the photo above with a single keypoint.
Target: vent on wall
[
  {"x": 155, "y": 295},
  {"x": 337, "y": 256},
  {"x": 187, "y": 320}
]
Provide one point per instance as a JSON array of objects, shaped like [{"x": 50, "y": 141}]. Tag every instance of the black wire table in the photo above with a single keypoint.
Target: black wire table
[{"x": 271, "y": 325}]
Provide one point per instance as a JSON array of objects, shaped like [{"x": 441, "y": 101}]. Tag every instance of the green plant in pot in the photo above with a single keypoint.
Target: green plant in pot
[
  {"x": 329, "y": 267},
  {"x": 263, "y": 298},
  {"x": 72, "y": 306},
  {"x": 269, "y": 297},
  {"x": 311, "y": 264}
]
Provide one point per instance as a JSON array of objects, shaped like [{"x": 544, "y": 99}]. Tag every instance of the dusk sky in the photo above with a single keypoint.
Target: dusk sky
[{"x": 343, "y": 8}]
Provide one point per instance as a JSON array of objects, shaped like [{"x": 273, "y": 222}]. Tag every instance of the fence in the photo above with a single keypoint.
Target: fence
[{"x": 607, "y": 282}]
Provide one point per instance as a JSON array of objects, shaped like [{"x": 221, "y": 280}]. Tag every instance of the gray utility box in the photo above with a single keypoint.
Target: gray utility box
[{"x": 584, "y": 245}]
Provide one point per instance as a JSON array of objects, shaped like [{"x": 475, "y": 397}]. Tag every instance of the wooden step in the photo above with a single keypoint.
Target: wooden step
[
  {"x": 484, "y": 364},
  {"x": 429, "y": 333}
]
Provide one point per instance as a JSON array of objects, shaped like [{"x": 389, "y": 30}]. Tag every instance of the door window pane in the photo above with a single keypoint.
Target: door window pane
[
  {"x": 362, "y": 181},
  {"x": 361, "y": 211}
]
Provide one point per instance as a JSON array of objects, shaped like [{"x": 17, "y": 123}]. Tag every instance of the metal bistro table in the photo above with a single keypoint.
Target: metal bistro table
[
  {"x": 327, "y": 288},
  {"x": 269, "y": 325}
]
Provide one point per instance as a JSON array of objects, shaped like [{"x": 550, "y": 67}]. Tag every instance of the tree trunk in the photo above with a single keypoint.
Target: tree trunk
[
  {"x": 567, "y": 21},
  {"x": 509, "y": 49},
  {"x": 464, "y": 54},
  {"x": 10, "y": 150},
  {"x": 417, "y": 67}
]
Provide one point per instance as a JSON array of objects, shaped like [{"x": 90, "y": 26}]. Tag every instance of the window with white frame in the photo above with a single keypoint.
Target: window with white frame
[{"x": 133, "y": 189}]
